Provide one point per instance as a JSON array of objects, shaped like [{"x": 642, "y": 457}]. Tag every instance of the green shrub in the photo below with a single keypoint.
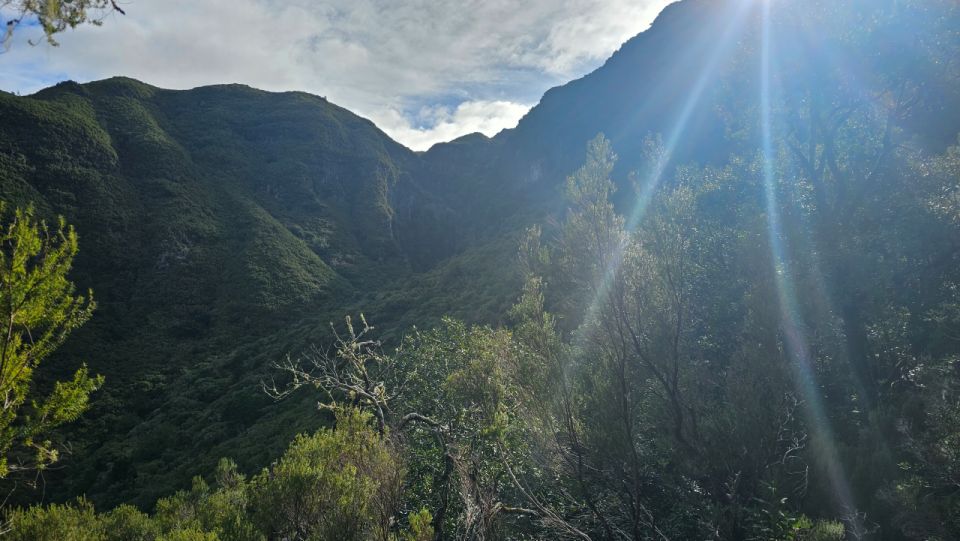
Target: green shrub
[
  {"x": 71, "y": 522},
  {"x": 339, "y": 484}
]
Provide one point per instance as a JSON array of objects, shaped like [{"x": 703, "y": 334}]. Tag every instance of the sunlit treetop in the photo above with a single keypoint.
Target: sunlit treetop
[{"x": 53, "y": 16}]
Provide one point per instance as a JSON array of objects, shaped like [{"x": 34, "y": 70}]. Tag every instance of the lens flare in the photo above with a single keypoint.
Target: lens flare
[
  {"x": 805, "y": 379},
  {"x": 733, "y": 26}
]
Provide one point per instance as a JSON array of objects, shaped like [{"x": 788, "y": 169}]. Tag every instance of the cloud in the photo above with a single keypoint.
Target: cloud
[
  {"x": 433, "y": 125},
  {"x": 423, "y": 70}
]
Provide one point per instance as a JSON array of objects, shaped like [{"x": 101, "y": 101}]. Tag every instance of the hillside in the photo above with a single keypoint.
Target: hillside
[{"x": 214, "y": 222}]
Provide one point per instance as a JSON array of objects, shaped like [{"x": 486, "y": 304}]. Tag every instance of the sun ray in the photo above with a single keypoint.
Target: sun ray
[
  {"x": 694, "y": 97},
  {"x": 733, "y": 25},
  {"x": 804, "y": 373}
]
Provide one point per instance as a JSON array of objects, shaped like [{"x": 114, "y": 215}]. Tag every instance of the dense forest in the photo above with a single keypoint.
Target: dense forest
[{"x": 709, "y": 291}]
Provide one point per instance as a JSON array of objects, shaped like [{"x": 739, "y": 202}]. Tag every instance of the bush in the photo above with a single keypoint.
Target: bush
[{"x": 340, "y": 483}]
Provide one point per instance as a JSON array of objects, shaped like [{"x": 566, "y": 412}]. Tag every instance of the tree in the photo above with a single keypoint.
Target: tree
[
  {"x": 38, "y": 310},
  {"x": 339, "y": 483},
  {"x": 462, "y": 402},
  {"x": 55, "y": 16},
  {"x": 342, "y": 483}
]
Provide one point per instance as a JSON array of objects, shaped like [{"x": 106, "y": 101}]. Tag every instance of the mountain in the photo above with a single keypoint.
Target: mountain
[
  {"x": 215, "y": 221},
  {"x": 683, "y": 81},
  {"x": 223, "y": 227}
]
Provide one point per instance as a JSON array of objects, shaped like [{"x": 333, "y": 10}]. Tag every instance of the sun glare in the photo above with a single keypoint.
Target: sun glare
[{"x": 805, "y": 379}]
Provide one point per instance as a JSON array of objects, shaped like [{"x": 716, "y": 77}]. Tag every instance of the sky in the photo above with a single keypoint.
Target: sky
[{"x": 424, "y": 71}]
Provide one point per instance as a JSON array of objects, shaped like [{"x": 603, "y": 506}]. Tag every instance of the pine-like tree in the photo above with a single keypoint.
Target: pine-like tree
[{"x": 38, "y": 310}]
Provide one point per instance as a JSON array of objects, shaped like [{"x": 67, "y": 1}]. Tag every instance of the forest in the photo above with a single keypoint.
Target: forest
[{"x": 710, "y": 297}]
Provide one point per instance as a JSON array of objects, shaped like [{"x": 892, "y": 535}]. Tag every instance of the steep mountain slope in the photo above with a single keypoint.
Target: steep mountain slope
[
  {"x": 211, "y": 220},
  {"x": 686, "y": 80}
]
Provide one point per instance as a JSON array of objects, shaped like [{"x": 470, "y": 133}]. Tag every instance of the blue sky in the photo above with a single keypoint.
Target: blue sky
[{"x": 423, "y": 70}]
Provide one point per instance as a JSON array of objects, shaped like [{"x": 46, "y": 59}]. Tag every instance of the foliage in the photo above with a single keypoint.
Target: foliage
[
  {"x": 742, "y": 329},
  {"x": 339, "y": 483},
  {"x": 641, "y": 418},
  {"x": 420, "y": 526},
  {"x": 55, "y": 16},
  {"x": 39, "y": 310}
]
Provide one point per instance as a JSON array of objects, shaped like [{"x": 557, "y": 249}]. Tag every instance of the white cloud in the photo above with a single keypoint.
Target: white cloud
[
  {"x": 383, "y": 59},
  {"x": 433, "y": 125}
]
